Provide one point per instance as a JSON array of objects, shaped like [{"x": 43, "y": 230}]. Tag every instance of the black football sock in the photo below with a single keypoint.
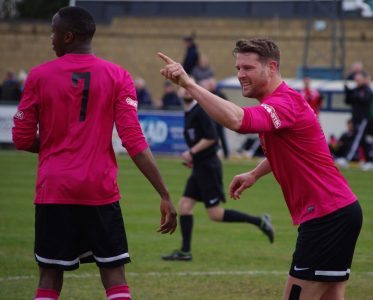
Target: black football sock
[
  {"x": 186, "y": 226},
  {"x": 231, "y": 215}
]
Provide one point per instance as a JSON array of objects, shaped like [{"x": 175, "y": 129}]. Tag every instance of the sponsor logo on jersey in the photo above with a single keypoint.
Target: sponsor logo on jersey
[
  {"x": 272, "y": 112},
  {"x": 131, "y": 102},
  {"x": 19, "y": 115}
]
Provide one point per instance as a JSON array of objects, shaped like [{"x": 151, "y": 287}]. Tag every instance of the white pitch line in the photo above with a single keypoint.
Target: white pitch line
[{"x": 156, "y": 274}]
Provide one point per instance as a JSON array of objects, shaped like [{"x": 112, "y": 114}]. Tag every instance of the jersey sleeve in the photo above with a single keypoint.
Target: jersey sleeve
[
  {"x": 126, "y": 119},
  {"x": 274, "y": 114},
  {"x": 208, "y": 126},
  {"x": 26, "y": 119}
]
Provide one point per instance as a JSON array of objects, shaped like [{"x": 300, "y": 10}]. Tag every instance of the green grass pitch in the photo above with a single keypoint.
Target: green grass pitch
[{"x": 230, "y": 261}]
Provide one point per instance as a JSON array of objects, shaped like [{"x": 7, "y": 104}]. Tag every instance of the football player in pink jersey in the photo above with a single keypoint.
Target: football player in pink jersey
[
  {"x": 68, "y": 109},
  {"x": 317, "y": 195}
]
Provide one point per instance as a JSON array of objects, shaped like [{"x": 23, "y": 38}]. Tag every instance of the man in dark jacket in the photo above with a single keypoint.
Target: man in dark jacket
[
  {"x": 360, "y": 99},
  {"x": 191, "y": 56}
]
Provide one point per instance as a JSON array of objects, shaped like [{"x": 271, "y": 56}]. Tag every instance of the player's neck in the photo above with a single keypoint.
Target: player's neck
[
  {"x": 80, "y": 49},
  {"x": 276, "y": 82}
]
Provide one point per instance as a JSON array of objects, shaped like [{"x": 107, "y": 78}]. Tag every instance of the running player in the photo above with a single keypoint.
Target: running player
[{"x": 205, "y": 183}]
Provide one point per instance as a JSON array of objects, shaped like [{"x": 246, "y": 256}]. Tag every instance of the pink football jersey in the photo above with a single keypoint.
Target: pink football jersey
[
  {"x": 296, "y": 148},
  {"x": 74, "y": 102}
]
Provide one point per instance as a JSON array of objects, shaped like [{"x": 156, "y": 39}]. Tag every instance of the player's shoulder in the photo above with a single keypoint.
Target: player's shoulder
[
  {"x": 201, "y": 114},
  {"x": 111, "y": 65},
  {"x": 285, "y": 96},
  {"x": 285, "y": 91},
  {"x": 284, "y": 103},
  {"x": 43, "y": 67},
  {"x": 197, "y": 109},
  {"x": 117, "y": 71}
]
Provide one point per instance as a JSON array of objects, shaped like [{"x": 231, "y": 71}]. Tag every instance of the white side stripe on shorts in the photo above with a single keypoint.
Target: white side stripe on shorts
[
  {"x": 86, "y": 254},
  {"x": 110, "y": 259},
  {"x": 56, "y": 261},
  {"x": 119, "y": 295},
  {"x": 332, "y": 273}
]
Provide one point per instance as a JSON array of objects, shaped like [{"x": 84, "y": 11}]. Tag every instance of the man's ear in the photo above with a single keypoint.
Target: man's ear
[
  {"x": 69, "y": 37},
  {"x": 273, "y": 66}
]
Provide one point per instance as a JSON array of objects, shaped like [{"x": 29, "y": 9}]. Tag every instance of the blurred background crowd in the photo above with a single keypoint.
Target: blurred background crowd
[{"x": 320, "y": 40}]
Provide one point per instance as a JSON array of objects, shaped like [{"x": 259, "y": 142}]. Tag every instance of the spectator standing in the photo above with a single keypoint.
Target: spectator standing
[
  {"x": 191, "y": 54},
  {"x": 356, "y": 67},
  {"x": 10, "y": 90},
  {"x": 312, "y": 96},
  {"x": 360, "y": 99},
  {"x": 368, "y": 166},
  {"x": 74, "y": 101},
  {"x": 170, "y": 99},
  {"x": 143, "y": 95},
  {"x": 202, "y": 70}
]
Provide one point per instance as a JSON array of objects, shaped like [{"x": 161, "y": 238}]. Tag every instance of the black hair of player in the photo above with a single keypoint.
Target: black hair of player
[{"x": 78, "y": 21}]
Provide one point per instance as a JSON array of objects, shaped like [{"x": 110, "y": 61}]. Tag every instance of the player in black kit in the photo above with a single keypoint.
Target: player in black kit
[{"x": 205, "y": 184}]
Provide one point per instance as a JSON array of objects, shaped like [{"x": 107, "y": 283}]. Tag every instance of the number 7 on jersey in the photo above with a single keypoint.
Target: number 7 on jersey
[{"x": 86, "y": 76}]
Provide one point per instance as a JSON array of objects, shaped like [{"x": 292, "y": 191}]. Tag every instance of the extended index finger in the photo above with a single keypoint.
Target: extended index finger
[{"x": 165, "y": 58}]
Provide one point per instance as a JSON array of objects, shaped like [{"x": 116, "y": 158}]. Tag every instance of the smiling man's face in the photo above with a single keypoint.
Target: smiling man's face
[{"x": 253, "y": 75}]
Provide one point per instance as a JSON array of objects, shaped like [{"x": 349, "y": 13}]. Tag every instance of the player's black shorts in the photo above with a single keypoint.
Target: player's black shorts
[
  {"x": 325, "y": 246},
  {"x": 206, "y": 182},
  {"x": 66, "y": 235}
]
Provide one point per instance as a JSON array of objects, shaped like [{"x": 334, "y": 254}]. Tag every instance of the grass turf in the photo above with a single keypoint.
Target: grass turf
[{"x": 230, "y": 261}]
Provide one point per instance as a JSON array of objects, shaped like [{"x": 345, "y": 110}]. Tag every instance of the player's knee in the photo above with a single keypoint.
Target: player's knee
[
  {"x": 112, "y": 276},
  {"x": 214, "y": 217},
  {"x": 185, "y": 207},
  {"x": 185, "y": 210},
  {"x": 215, "y": 213}
]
